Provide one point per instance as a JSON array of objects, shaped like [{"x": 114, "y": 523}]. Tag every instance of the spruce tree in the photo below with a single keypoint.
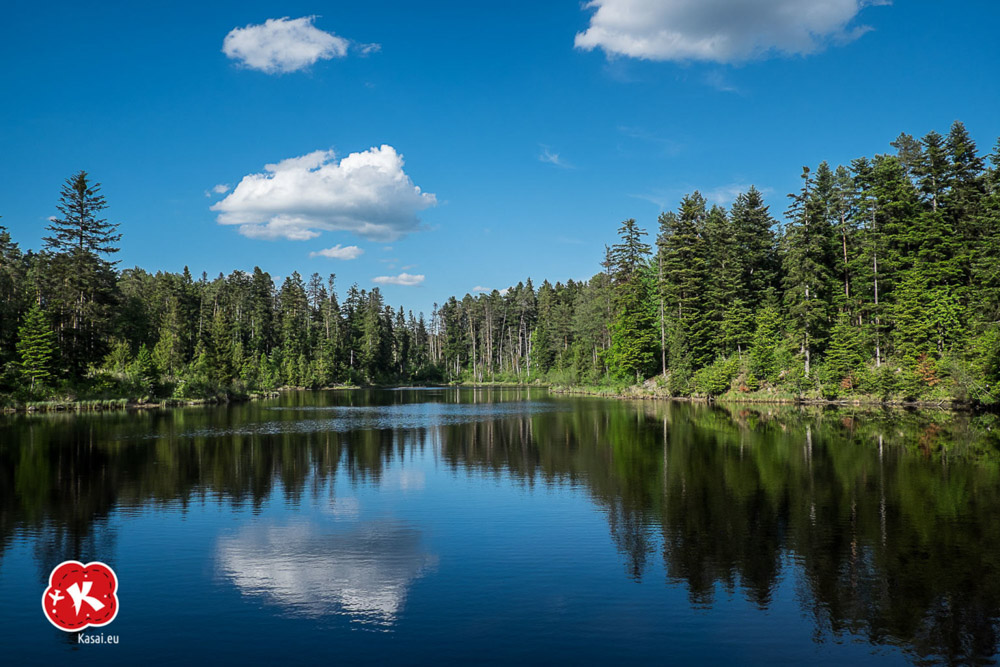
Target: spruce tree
[
  {"x": 80, "y": 226},
  {"x": 682, "y": 242},
  {"x": 807, "y": 268},
  {"x": 36, "y": 347},
  {"x": 78, "y": 281},
  {"x": 753, "y": 229},
  {"x": 633, "y": 337},
  {"x": 844, "y": 353}
]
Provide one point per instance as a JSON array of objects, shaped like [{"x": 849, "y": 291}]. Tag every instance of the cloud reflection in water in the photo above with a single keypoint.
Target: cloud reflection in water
[{"x": 364, "y": 572}]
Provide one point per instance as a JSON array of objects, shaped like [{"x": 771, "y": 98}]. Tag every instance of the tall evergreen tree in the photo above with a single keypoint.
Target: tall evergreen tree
[
  {"x": 36, "y": 347},
  {"x": 79, "y": 282},
  {"x": 80, "y": 226},
  {"x": 807, "y": 263},
  {"x": 633, "y": 339}
]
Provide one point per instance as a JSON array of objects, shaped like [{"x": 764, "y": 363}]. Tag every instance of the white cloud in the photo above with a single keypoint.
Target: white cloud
[
  {"x": 480, "y": 288},
  {"x": 283, "y": 45},
  {"x": 402, "y": 279},
  {"x": 220, "y": 189},
  {"x": 313, "y": 570},
  {"x": 724, "y": 31},
  {"x": 553, "y": 158},
  {"x": 367, "y": 194},
  {"x": 724, "y": 195},
  {"x": 720, "y": 82},
  {"x": 339, "y": 252}
]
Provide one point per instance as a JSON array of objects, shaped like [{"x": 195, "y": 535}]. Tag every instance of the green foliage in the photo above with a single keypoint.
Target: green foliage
[
  {"x": 895, "y": 257},
  {"x": 633, "y": 341},
  {"x": 765, "y": 349},
  {"x": 717, "y": 378},
  {"x": 843, "y": 355},
  {"x": 36, "y": 347}
]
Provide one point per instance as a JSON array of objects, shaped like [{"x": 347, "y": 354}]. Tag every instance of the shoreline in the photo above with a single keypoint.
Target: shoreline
[
  {"x": 637, "y": 393},
  {"x": 129, "y": 404},
  {"x": 633, "y": 392}
]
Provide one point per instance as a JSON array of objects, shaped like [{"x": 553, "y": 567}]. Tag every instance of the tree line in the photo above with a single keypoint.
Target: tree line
[{"x": 882, "y": 278}]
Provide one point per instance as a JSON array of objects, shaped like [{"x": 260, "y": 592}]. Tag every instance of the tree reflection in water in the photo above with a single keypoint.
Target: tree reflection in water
[{"x": 890, "y": 517}]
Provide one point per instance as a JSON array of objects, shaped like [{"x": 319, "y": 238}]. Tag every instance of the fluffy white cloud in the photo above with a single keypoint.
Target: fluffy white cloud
[
  {"x": 402, "y": 279},
  {"x": 338, "y": 252},
  {"x": 366, "y": 193},
  {"x": 315, "y": 570},
  {"x": 724, "y": 31},
  {"x": 283, "y": 45}
]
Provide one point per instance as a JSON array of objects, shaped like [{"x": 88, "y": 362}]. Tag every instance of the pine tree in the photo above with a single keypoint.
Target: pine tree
[
  {"x": 807, "y": 264},
  {"x": 753, "y": 228},
  {"x": 766, "y": 344},
  {"x": 12, "y": 293},
  {"x": 682, "y": 242},
  {"x": 844, "y": 353},
  {"x": 633, "y": 338},
  {"x": 81, "y": 228},
  {"x": 78, "y": 283},
  {"x": 986, "y": 259},
  {"x": 36, "y": 346}
]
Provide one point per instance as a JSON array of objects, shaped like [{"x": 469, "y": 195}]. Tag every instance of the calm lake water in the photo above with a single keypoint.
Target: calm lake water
[{"x": 507, "y": 525}]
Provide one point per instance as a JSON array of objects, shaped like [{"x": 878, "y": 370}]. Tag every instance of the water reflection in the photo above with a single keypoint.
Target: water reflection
[
  {"x": 886, "y": 521},
  {"x": 364, "y": 571}
]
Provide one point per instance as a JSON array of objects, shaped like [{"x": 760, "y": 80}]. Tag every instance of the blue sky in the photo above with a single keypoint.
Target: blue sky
[{"x": 531, "y": 129}]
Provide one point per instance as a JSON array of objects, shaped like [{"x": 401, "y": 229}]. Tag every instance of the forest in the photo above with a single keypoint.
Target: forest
[{"x": 880, "y": 280}]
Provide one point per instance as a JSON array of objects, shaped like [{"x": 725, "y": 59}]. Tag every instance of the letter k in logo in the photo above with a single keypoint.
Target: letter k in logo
[{"x": 81, "y": 596}]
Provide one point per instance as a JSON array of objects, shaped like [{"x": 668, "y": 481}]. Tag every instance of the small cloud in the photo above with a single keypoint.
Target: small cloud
[
  {"x": 725, "y": 195},
  {"x": 480, "y": 288},
  {"x": 667, "y": 146},
  {"x": 659, "y": 200},
  {"x": 339, "y": 252},
  {"x": 282, "y": 45},
  {"x": 553, "y": 158},
  {"x": 368, "y": 49},
  {"x": 409, "y": 267},
  {"x": 220, "y": 189},
  {"x": 404, "y": 279},
  {"x": 718, "y": 80}
]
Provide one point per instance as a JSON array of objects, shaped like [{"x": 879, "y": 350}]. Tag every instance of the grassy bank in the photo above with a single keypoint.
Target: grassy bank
[
  {"x": 652, "y": 390},
  {"x": 131, "y": 403}
]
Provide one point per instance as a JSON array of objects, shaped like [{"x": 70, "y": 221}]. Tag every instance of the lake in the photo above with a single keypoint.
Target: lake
[{"x": 507, "y": 525}]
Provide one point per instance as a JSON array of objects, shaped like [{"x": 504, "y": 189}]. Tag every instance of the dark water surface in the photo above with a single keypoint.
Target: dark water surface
[{"x": 503, "y": 525}]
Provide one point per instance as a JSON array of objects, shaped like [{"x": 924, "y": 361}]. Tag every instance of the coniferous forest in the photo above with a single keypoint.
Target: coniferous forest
[{"x": 877, "y": 279}]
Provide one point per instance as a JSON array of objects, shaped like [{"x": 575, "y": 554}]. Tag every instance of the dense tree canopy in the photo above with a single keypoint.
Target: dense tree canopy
[{"x": 882, "y": 279}]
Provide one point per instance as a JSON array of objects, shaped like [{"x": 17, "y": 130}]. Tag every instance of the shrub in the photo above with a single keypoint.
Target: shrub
[{"x": 716, "y": 378}]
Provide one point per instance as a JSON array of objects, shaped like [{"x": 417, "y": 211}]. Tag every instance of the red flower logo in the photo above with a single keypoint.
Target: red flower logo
[{"x": 80, "y": 596}]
